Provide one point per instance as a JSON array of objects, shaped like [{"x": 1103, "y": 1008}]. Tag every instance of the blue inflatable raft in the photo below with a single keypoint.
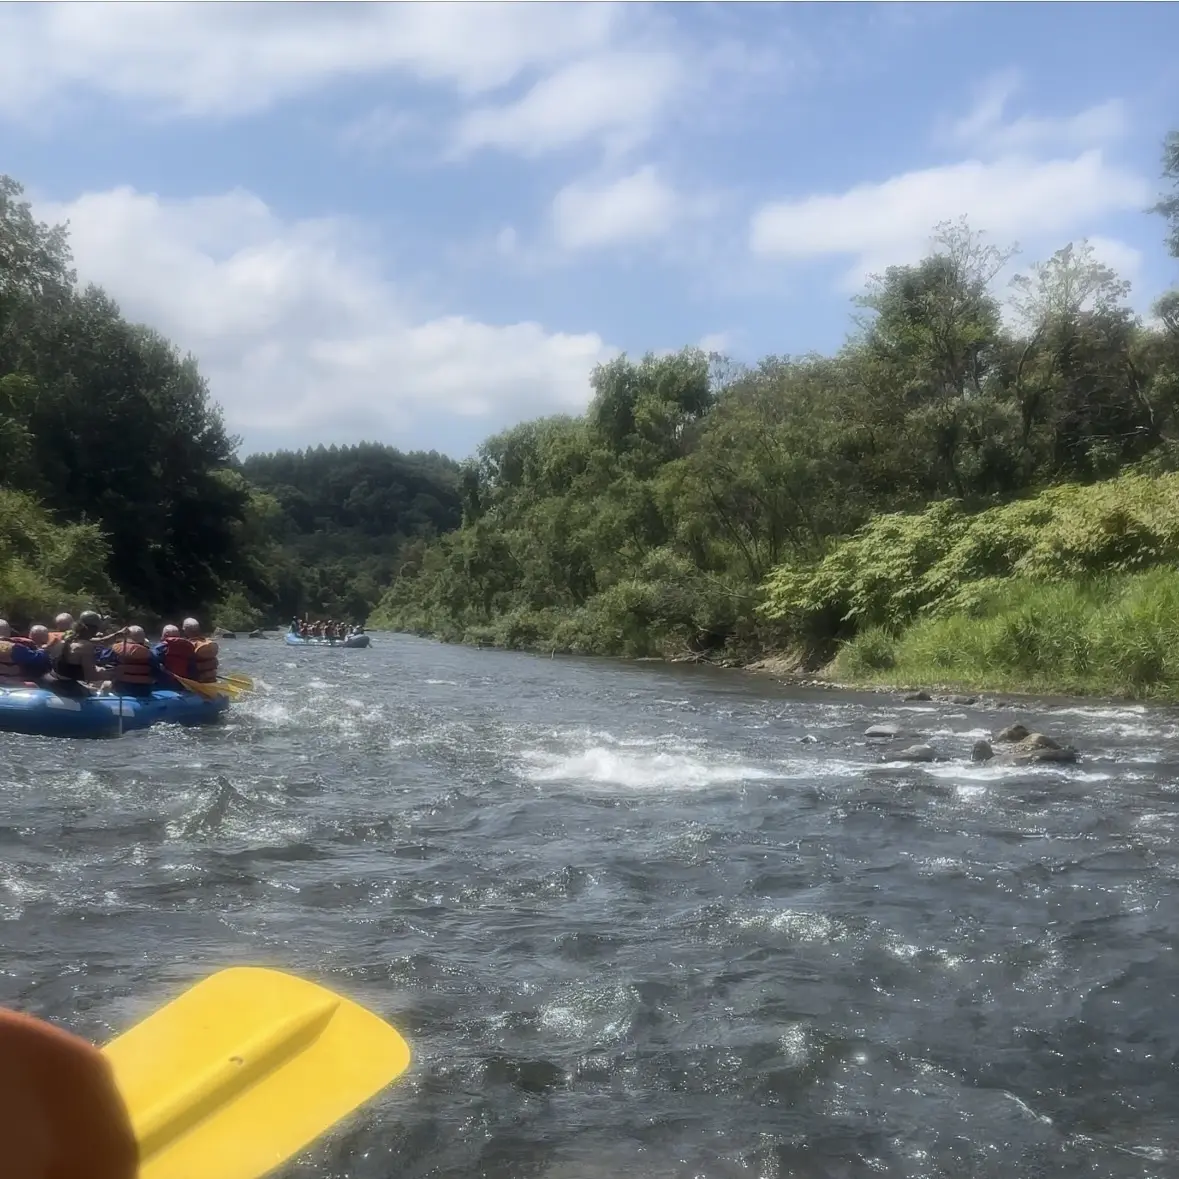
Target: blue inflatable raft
[
  {"x": 295, "y": 640},
  {"x": 37, "y": 712}
]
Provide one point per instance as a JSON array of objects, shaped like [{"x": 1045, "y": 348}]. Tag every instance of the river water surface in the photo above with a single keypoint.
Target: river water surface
[{"x": 631, "y": 922}]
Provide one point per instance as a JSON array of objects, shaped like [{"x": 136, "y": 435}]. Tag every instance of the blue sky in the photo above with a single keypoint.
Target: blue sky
[{"x": 419, "y": 224}]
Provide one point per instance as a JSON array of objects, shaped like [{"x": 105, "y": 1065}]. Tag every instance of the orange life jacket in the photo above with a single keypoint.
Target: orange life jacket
[
  {"x": 204, "y": 661},
  {"x": 178, "y": 657},
  {"x": 134, "y": 661},
  {"x": 8, "y": 667}
]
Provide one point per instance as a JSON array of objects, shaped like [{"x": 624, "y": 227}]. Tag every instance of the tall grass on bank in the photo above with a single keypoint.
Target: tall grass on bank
[{"x": 1117, "y": 634}]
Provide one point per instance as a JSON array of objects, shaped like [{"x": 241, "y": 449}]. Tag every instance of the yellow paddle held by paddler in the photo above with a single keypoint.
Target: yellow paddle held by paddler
[{"x": 228, "y": 1081}]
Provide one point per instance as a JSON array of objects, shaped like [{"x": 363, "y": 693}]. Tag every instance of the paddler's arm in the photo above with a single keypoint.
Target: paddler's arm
[{"x": 61, "y": 1116}]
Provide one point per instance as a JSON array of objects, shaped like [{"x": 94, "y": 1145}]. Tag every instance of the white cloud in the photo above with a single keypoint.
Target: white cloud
[
  {"x": 593, "y": 214},
  {"x": 716, "y": 342},
  {"x": 891, "y": 221},
  {"x": 230, "y": 59},
  {"x": 301, "y": 337},
  {"x": 985, "y": 129},
  {"x": 382, "y": 126},
  {"x": 615, "y": 97}
]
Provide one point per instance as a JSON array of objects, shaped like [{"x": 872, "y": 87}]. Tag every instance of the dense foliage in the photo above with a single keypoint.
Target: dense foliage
[
  {"x": 120, "y": 486},
  {"x": 341, "y": 518},
  {"x": 946, "y": 560},
  {"x": 699, "y": 505},
  {"x": 106, "y": 423},
  {"x": 969, "y": 447}
]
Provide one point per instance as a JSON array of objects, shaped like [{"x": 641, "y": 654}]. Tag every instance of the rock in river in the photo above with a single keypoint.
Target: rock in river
[
  {"x": 912, "y": 753},
  {"x": 982, "y": 751},
  {"x": 1016, "y": 732}
]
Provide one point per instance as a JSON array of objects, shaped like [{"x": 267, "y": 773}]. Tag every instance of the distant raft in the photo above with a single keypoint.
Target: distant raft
[
  {"x": 295, "y": 640},
  {"x": 37, "y": 712}
]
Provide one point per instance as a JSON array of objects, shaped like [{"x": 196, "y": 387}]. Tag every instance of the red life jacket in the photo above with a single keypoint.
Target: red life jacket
[
  {"x": 204, "y": 661},
  {"x": 134, "y": 664},
  {"x": 178, "y": 657}
]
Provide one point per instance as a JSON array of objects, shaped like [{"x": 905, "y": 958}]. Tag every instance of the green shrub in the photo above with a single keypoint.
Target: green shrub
[
  {"x": 944, "y": 560},
  {"x": 47, "y": 566},
  {"x": 870, "y": 651}
]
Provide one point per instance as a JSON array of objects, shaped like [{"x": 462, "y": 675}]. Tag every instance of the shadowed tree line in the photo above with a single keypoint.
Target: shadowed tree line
[{"x": 696, "y": 504}]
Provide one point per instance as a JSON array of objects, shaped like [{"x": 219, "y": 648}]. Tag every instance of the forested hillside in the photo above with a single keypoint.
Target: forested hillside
[
  {"x": 120, "y": 486},
  {"x": 699, "y": 506},
  {"x": 345, "y": 516}
]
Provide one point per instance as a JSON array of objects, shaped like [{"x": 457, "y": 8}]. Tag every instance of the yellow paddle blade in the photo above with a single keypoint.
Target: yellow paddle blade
[
  {"x": 246, "y": 1069},
  {"x": 211, "y": 691},
  {"x": 239, "y": 680}
]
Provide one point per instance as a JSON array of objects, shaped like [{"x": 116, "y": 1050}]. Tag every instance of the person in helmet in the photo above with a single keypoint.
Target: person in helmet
[
  {"x": 71, "y": 656},
  {"x": 134, "y": 666},
  {"x": 20, "y": 659},
  {"x": 204, "y": 653}
]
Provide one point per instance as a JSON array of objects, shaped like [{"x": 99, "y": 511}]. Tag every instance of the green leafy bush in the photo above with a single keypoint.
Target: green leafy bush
[
  {"x": 47, "y": 566},
  {"x": 941, "y": 560}
]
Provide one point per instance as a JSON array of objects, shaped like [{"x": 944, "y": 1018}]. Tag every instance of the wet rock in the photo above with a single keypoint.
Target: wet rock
[
  {"x": 1023, "y": 757},
  {"x": 256, "y": 634},
  {"x": 1026, "y": 748},
  {"x": 1038, "y": 741},
  {"x": 1016, "y": 732},
  {"x": 882, "y": 732},
  {"x": 917, "y": 696},
  {"x": 225, "y": 634},
  {"x": 1036, "y": 747},
  {"x": 962, "y": 699},
  {"x": 913, "y": 753},
  {"x": 807, "y": 740},
  {"x": 981, "y": 751}
]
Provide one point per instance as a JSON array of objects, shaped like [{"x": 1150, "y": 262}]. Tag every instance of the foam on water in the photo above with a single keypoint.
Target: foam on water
[{"x": 602, "y": 765}]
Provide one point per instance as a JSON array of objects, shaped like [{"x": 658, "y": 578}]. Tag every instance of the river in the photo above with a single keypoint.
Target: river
[{"x": 630, "y": 921}]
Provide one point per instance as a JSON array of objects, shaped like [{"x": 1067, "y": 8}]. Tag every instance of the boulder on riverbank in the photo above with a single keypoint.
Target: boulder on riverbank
[{"x": 922, "y": 696}]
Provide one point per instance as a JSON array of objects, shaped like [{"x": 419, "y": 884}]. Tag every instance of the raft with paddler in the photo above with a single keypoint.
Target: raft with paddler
[{"x": 75, "y": 681}]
